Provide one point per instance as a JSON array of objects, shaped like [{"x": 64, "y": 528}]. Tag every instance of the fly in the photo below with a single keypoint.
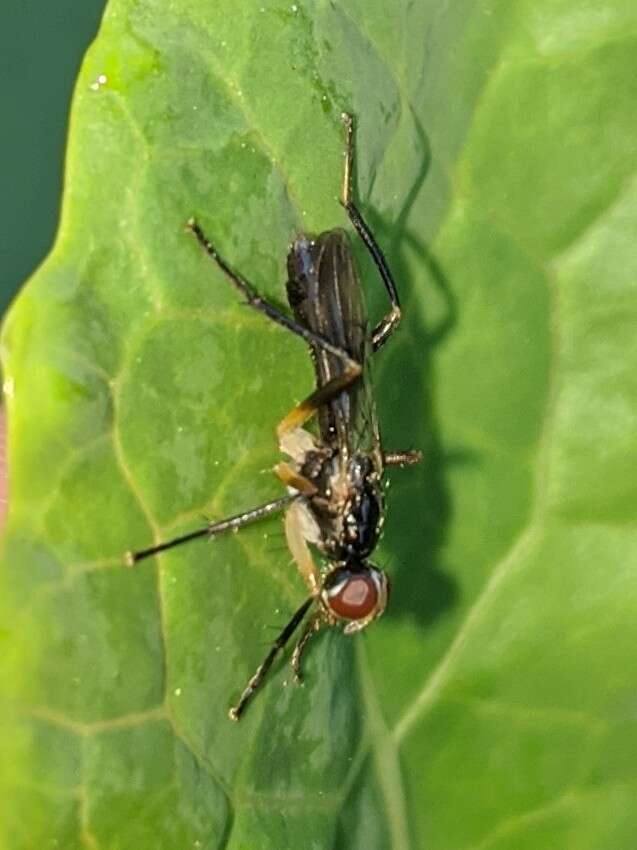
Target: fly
[{"x": 334, "y": 500}]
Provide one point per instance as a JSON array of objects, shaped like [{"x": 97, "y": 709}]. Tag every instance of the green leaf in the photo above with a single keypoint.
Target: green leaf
[{"x": 493, "y": 706}]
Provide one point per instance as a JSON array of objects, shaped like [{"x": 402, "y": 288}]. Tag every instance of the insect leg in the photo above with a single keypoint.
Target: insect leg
[
  {"x": 214, "y": 528},
  {"x": 291, "y": 478},
  {"x": 309, "y": 406},
  {"x": 296, "y": 524},
  {"x": 254, "y": 300},
  {"x": 388, "y": 324},
  {"x": 410, "y": 457},
  {"x": 261, "y": 672},
  {"x": 311, "y": 628}
]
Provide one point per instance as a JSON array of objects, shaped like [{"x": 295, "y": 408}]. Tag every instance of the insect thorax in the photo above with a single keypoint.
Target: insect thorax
[{"x": 348, "y": 507}]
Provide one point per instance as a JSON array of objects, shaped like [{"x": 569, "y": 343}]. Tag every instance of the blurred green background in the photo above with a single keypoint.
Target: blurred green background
[{"x": 41, "y": 47}]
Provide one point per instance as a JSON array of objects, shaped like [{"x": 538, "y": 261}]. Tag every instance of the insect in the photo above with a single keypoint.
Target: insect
[{"x": 334, "y": 502}]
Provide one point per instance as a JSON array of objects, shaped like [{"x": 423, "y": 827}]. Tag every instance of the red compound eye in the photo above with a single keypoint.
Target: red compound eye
[{"x": 355, "y": 597}]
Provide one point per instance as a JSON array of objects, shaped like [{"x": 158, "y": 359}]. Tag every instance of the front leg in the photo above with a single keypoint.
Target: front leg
[{"x": 311, "y": 628}]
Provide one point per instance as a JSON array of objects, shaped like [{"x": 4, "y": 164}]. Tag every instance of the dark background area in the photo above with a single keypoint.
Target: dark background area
[{"x": 41, "y": 48}]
